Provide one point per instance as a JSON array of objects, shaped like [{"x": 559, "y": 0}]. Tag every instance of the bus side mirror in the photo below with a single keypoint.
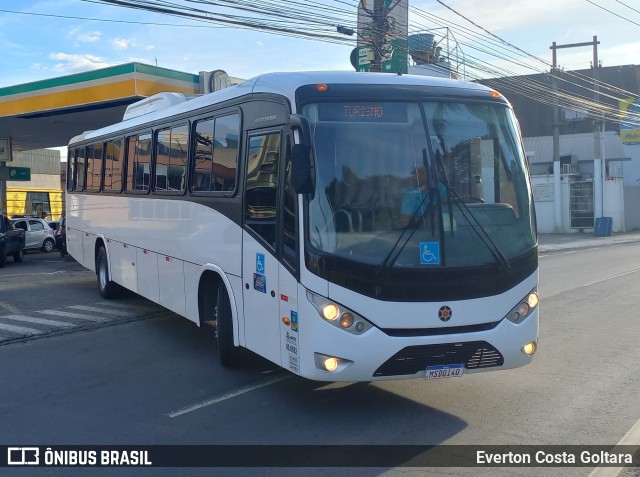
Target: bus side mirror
[
  {"x": 302, "y": 162},
  {"x": 301, "y": 169}
]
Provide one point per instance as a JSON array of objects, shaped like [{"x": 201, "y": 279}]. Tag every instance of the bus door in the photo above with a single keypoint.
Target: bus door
[{"x": 260, "y": 267}]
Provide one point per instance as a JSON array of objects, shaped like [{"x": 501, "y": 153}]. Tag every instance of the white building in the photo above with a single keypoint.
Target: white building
[{"x": 620, "y": 187}]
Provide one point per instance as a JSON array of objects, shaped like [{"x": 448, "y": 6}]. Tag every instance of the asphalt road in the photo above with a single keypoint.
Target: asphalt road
[{"x": 150, "y": 377}]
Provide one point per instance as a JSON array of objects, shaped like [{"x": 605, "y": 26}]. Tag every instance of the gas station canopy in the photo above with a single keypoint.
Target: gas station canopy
[{"x": 48, "y": 113}]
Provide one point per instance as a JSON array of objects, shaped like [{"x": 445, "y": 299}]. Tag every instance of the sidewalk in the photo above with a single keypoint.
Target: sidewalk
[{"x": 557, "y": 242}]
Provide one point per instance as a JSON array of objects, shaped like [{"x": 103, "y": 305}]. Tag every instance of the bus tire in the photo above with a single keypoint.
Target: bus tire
[
  {"x": 106, "y": 287},
  {"x": 229, "y": 354}
]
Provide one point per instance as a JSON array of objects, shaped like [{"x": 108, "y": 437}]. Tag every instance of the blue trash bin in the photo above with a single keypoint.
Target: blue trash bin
[{"x": 603, "y": 227}]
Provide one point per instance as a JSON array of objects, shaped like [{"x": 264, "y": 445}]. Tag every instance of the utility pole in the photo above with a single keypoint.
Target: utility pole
[
  {"x": 597, "y": 161},
  {"x": 6, "y": 155},
  {"x": 3, "y": 192},
  {"x": 557, "y": 196},
  {"x": 382, "y": 36},
  {"x": 378, "y": 32}
]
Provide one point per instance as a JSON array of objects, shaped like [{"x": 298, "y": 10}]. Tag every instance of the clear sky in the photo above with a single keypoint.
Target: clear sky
[{"x": 35, "y": 47}]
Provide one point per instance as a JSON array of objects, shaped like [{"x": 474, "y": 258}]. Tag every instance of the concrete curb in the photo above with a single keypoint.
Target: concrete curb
[{"x": 558, "y": 242}]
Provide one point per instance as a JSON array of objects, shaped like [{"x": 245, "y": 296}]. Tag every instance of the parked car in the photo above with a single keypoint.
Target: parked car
[
  {"x": 12, "y": 241},
  {"x": 38, "y": 234},
  {"x": 54, "y": 224}
]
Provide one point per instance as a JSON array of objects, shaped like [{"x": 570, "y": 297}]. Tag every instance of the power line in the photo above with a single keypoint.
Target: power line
[
  {"x": 314, "y": 20},
  {"x": 628, "y": 6},
  {"x": 107, "y": 20},
  {"x": 597, "y": 107},
  {"x": 613, "y": 13},
  {"x": 277, "y": 22}
]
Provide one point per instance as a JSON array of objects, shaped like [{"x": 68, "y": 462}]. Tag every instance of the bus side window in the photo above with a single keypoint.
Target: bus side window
[
  {"x": 171, "y": 158},
  {"x": 203, "y": 144},
  {"x": 225, "y": 152},
  {"x": 139, "y": 162},
  {"x": 163, "y": 148},
  {"x": 289, "y": 215},
  {"x": 262, "y": 185},
  {"x": 114, "y": 159},
  {"x": 80, "y": 169},
  {"x": 216, "y": 154},
  {"x": 71, "y": 170},
  {"x": 94, "y": 167}
]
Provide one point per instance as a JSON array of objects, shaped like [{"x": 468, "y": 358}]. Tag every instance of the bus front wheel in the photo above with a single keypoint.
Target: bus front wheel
[
  {"x": 107, "y": 288},
  {"x": 229, "y": 354}
]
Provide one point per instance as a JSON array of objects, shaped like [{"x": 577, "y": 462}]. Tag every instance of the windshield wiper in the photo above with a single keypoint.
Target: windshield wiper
[
  {"x": 482, "y": 234},
  {"x": 413, "y": 224},
  {"x": 445, "y": 177}
]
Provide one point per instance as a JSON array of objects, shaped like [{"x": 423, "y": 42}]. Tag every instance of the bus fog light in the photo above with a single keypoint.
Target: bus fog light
[
  {"x": 359, "y": 326},
  {"x": 346, "y": 320},
  {"x": 330, "y": 364},
  {"x": 530, "y": 348}
]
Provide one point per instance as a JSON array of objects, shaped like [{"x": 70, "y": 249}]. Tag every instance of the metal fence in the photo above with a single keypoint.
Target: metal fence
[{"x": 581, "y": 204}]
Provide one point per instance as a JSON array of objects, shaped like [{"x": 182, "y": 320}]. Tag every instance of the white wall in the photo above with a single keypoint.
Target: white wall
[
  {"x": 37, "y": 182},
  {"x": 613, "y": 201},
  {"x": 631, "y": 172},
  {"x": 543, "y": 196},
  {"x": 544, "y": 203},
  {"x": 631, "y": 169},
  {"x": 632, "y": 211}
]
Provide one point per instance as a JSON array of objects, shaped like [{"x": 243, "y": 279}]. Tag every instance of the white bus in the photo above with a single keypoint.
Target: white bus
[{"x": 345, "y": 226}]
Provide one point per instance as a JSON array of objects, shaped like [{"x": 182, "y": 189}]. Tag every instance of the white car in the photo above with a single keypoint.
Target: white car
[{"x": 38, "y": 234}]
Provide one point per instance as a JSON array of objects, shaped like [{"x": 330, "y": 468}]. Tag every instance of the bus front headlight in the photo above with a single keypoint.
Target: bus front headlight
[
  {"x": 523, "y": 309},
  {"x": 330, "y": 312},
  {"x": 338, "y": 315}
]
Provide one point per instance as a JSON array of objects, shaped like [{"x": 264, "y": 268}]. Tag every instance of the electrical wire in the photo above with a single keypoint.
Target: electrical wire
[{"x": 315, "y": 20}]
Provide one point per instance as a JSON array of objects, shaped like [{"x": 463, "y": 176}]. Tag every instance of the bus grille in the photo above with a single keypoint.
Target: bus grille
[{"x": 412, "y": 359}]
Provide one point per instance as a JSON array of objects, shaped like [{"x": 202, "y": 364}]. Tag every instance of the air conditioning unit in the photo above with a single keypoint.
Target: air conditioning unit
[{"x": 214, "y": 81}]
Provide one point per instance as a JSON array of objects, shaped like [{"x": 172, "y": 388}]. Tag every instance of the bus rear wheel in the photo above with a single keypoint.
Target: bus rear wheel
[
  {"x": 229, "y": 354},
  {"x": 107, "y": 288}
]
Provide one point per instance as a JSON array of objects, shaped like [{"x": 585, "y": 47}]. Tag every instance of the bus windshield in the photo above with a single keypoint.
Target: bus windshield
[{"x": 419, "y": 184}]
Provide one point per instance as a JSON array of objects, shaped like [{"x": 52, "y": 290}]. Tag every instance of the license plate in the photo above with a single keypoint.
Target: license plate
[{"x": 444, "y": 371}]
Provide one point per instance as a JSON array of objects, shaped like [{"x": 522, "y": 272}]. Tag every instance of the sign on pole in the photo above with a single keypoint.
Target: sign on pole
[
  {"x": 394, "y": 48},
  {"x": 5, "y": 150},
  {"x": 630, "y": 126},
  {"x": 15, "y": 173}
]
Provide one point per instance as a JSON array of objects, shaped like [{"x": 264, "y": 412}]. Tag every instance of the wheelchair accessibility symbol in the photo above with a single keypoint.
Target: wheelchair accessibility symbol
[
  {"x": 260, "y": 263},
  {"x": 429, "y": 253}
]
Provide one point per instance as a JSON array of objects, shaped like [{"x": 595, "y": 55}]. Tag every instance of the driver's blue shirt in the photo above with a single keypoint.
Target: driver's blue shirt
[{"x": 414, "y": 198}]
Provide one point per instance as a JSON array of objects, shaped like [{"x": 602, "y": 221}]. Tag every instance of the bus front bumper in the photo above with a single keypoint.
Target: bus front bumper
[{"x": 377, "y": 356}]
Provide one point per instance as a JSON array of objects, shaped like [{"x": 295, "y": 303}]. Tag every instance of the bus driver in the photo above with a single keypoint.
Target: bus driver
[{"x": 415, "y": 199}]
